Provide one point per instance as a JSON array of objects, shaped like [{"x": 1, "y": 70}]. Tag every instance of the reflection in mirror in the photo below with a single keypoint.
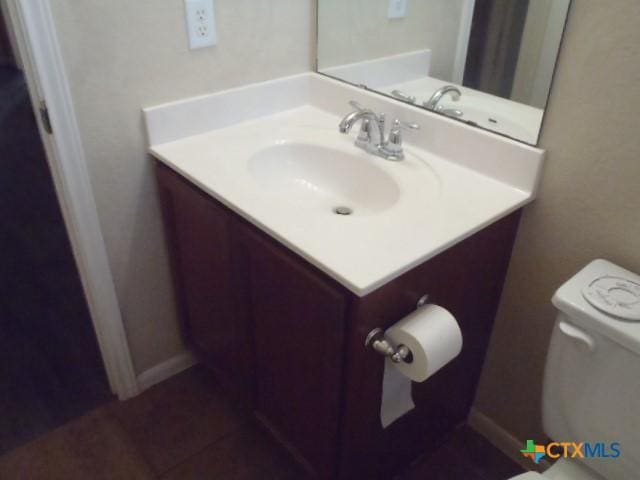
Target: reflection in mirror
[{"x": 485, "y": 62}]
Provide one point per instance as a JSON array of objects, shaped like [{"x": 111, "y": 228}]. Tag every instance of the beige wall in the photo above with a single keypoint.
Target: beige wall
[
  {"x": 357, "y": 30},
  {"x": 122, "y": 55},
  {"x": 588, "y": 205}
]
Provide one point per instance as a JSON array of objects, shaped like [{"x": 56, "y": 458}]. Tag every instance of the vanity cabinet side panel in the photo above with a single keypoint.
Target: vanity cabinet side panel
[
  {"x": 299, "y": 320},
  {"x": 467, "y": 280},
  {"x": 199, "y": 237}
]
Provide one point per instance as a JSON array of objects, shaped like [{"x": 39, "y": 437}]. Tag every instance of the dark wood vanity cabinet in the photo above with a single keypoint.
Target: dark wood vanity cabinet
[
  {"x": 199, "y": 232},
  {"x": 289, "y": 341}
]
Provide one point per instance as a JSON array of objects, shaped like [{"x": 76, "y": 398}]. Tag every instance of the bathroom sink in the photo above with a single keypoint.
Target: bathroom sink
[
  {"x": 324, "y": 176},
  {"x": 359, "y": 218}
]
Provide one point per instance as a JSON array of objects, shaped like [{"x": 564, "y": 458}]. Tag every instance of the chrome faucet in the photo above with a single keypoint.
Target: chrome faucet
[
  {"x": 433, "y": 102},
  {"x": 369, "y": 137},
  {"x": 372, "y": 132}
]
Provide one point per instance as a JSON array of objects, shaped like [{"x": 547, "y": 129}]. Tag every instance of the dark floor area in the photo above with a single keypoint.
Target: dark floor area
[
  {"x": 50, "y": 368},
  {"x": 185, "y": 429},
  {"x": 466, "y": 455}
]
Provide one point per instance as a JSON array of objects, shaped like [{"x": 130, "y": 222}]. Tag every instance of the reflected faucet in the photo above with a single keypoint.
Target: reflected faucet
[
  {"x": 400, "y": 95},
  {"x": 433, "y": 103}
]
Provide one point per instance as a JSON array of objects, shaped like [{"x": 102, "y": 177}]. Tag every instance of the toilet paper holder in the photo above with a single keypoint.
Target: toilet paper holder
[{"x": 377, "y": 341}]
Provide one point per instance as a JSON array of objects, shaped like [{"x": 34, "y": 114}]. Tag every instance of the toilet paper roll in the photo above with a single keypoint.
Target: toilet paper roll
[{"x": 434, "y": 338}]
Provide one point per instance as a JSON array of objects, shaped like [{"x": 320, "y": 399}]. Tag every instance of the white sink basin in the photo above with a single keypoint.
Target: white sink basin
[{"x": 319, "y": 175}]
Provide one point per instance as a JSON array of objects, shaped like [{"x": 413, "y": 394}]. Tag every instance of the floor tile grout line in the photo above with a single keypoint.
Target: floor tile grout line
[
  {"x": 132, "y": 441},
  {"x": 242, "y": 421}
]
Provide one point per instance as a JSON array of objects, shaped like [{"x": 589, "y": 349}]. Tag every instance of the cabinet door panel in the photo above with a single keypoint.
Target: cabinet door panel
[
  {"x": 299, "y": 323},
  {"x": 200, "y": 236}
]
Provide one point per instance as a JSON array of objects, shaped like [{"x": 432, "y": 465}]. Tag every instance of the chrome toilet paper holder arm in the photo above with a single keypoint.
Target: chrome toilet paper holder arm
[{"x": 379, "y": 343}]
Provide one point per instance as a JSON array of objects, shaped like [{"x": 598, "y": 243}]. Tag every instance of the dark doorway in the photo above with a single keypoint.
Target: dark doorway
[{"x": 50, "y": 367}]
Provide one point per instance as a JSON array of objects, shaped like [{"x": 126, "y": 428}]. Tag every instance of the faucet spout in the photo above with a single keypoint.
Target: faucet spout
[
  {"x": 349, "y": 121},
  {"x": 374, "y": 124},
  {"x": 352, "y": 118},
  {"x": 432, "y": 103}
]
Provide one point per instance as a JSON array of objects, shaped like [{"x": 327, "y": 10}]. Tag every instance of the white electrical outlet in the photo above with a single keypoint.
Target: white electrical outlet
[
  {"x": 201, "y": 23},
  {"x": 397, "y": 8}
]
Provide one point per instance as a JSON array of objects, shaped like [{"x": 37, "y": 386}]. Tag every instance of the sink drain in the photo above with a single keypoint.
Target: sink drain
[{"x": 342, "y": 211}]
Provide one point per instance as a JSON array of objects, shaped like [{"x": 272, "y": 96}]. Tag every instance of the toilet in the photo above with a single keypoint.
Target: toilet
[{"x": 591, "y": 387}]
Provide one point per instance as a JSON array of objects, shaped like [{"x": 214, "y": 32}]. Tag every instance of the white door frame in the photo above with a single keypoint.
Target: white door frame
[{"x": 43, "y": 65}]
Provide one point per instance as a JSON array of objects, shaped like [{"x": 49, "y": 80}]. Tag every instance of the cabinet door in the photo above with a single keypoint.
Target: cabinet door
[
  {"x": 199, "y": 231},
  {"x": 298, "y": 317}
]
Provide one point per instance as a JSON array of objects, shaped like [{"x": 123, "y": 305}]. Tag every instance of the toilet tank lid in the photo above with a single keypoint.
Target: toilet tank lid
[{"x": 570, "y": 300}]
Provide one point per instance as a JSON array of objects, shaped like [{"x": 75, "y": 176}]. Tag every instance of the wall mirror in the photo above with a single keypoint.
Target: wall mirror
[{"x": 488, "y": 63}]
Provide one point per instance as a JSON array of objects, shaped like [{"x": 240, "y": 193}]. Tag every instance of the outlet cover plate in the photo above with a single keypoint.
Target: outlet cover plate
[
  {"x": 397, "y": 8},
  {"x": 201, "y": 23}
]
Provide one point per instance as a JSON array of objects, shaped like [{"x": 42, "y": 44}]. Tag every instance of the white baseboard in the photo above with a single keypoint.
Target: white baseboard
[
  {"x": 165, "y": 370},
  {"x": 503, "y": 440}
]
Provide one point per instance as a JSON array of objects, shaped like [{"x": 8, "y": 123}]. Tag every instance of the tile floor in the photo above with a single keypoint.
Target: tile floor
[
  {"x": 466, "y": 455},
  {"x": 185, "y": 429}
]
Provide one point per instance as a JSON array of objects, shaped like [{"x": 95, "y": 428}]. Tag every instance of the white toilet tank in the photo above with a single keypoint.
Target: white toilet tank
[{"x": 592, "y": 377}]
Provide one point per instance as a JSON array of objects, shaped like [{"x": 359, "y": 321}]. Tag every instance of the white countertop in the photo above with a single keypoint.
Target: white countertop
[{"x": 441, "y": 202}]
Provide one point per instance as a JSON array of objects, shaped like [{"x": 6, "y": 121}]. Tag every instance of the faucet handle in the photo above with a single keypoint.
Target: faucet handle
[
  {"x": 395, "y": 134},
  {"x": 382, "y": 121},
  {"x": 392, "y": 149},
  {"x": 406, "y": 125},
  {"x": 400, "y": 95}
]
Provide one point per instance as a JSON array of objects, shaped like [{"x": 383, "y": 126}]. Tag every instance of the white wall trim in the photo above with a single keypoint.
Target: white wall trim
[
  {"x": 460, "y": 61},
  {"x": 34, "y": 25},
  {"x": 503, "y": 440},
  {"x": 165, "y": 370}
]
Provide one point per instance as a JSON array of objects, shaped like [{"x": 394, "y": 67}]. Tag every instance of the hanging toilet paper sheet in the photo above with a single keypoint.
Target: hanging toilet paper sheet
[{"x": 396, "y": 395}]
